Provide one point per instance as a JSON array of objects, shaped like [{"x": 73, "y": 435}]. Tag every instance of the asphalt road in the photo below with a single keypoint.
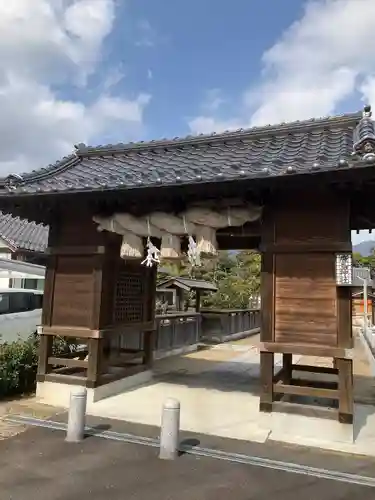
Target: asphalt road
[{"x": 39, "y": 465}]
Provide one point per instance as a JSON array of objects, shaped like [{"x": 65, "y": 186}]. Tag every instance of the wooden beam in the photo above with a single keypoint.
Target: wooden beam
[
  {"x": 68, "y": 362},
  {"x": 297, "y": 390},
  {"x": 315, "y": 369},
  {"x": 307, "y": 349},
  {"x": 301, "y": 247},
  {"x": 75, "y": 250},
  {"x": 71, "y": 331}
]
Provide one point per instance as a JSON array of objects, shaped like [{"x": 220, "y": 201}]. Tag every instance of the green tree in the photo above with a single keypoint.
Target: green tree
[
  {"x": 364, "y": 261},
  {"x": 237, "y": 276}
]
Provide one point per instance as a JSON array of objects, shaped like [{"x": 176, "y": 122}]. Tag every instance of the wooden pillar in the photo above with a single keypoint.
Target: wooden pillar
[
  {"x": 345, "y": 372},
  {"x": 345, "y": 366},
  {"x": 45, "y": 351},
  {"x": 267, "y": 315},
  {"x": 304, "y": 311},
  {"x": 287, "y": 368},
  {"x": 94, "y": 369},
  {"x": 266, "y": 380}
]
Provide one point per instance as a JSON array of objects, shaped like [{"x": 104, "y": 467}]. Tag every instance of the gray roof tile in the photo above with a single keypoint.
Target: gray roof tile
[
  {"x": 190, "y": 283},
  {"x": 20, "y": 234},
  {"x": 293, "y": 148},
  {"x": 360, "y": 273}
]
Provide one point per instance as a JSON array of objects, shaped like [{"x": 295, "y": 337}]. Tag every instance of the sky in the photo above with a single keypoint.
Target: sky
[{"x": 101, "y": 71}]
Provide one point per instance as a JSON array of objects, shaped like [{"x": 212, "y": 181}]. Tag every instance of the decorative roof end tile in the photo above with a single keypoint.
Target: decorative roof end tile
[{"x": 364, "y": 135}]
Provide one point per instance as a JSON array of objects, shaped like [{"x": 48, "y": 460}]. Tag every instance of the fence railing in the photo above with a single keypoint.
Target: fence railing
[
  {"x": 176, "y": 332},
  {"x": 222, "y": 324}
]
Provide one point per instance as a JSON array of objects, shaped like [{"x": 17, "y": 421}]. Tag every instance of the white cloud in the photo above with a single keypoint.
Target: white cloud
[
  {"x": 318, "y": 62},
  {"x": 44, "y": 44},
  {"x": 213, "y": 99},
  {"x": 147, "y": 36},
  {"x": 207, "y": 124}
]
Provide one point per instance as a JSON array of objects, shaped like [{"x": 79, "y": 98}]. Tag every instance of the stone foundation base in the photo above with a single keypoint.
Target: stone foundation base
[{"x": 57, "y": 394}]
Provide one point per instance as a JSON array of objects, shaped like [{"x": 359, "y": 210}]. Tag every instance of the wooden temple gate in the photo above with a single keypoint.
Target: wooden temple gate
[{"x": 310, "y": 179}]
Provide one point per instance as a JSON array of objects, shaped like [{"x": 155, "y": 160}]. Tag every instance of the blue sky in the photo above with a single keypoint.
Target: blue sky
[
  {"x": 192, "y": 58},
  {"x": 193, "y": 50},
  {"x": 99, "y": 71}
]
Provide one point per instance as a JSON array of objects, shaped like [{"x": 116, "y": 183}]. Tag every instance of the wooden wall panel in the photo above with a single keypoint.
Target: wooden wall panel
[
  {"x": 305, "y": 299},
  {"x": 312, "y": 218},
  {"x": 73, "y": 291}
]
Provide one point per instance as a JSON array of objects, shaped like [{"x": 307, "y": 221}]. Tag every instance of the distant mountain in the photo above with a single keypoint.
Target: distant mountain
[{"x": 364, "y": 248}]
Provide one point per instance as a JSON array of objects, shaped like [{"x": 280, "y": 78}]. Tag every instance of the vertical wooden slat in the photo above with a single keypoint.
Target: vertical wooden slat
[
  {"x": 45, "y": 351},
  {"x": 49, "y": 287},
  {"x": 267, "y": 298},
  {"x": 287, "y": 368},
  {"x": 94, "y": 361},
  {"x": 344, "y": 317},
  {"x": 266, "y": 380},
  {"x": 267, "y": 284},
  {"x": 97, "y": 284},
  {"x": 345, "y": 369}
]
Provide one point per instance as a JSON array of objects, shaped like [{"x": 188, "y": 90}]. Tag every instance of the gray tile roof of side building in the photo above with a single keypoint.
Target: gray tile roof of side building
[
  {"x": 20, "y": 234},
  {"x": 192, "y": 284},
  {"x": 286, "y": 149},
  {"x": 360, "y": 273}
]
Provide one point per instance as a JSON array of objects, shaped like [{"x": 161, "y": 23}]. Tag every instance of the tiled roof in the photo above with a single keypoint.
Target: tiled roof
[
  {"x": 359, "y": 274},
  {"x": 20, "y": 234},
  {"x": 289, "y": 148},
  {"x": 189, "y": 283}
]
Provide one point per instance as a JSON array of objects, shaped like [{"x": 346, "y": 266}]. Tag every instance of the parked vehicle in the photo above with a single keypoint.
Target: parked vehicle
[{"x": 20, "y": 313}]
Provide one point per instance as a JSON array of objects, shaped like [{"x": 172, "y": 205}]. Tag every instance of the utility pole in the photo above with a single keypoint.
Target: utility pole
[{"x": 365, "y": 312}]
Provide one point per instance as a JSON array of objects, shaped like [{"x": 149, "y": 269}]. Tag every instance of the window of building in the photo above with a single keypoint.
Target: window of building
[
  {"x": 21, "y": 302},
  {"x": 4, "y": 303}
]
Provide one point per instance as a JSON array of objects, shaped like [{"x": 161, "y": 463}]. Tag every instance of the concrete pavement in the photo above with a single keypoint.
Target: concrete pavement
[{"x": 38, "y": 464}]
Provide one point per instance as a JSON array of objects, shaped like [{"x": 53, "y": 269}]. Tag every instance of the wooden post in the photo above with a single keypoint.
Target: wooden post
[
  {"x": 287, "y": 368},
  {"x": 345, "y": 368},
  {"x": 45, "y": 351},
  {"x": 267, "y": 330},
  {"x": 94, "y": 361},
  {"x": 266, "y": 380}
]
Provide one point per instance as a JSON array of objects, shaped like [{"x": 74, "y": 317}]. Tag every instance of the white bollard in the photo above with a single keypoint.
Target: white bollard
[
  {"x": 170, "y": 429},
  {"x": 77, "y": 415}
]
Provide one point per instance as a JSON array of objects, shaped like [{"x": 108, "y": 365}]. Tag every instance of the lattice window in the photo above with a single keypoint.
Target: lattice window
[{"x": 129, "y": 297}]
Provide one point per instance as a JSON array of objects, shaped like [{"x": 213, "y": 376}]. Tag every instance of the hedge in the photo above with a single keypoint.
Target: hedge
[{"x": 19, "y": 363}]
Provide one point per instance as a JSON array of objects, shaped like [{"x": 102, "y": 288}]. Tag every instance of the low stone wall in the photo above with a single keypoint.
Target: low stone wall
[{"x": 358, "y": 323}]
